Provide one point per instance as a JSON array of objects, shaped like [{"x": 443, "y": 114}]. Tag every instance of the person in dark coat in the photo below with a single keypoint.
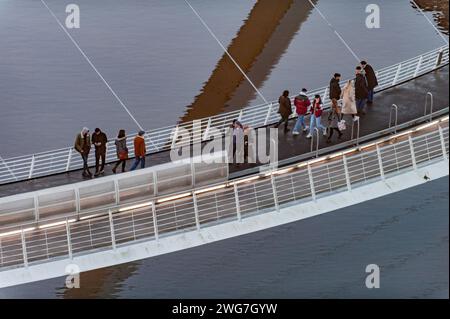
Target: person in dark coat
[
  {"x": 371, "y": 79},
  {"x": 335, "y": 90},
  {"x": 83, "y": 146},
  {"x": 121, "y": 150},
  {"x": 361, "y": 90},
  {"x": 285, "y": 110},
  {"x": 99, "y": 140}
]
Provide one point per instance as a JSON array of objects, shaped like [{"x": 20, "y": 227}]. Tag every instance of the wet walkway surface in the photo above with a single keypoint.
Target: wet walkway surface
[{"x": 409, "y": 97}]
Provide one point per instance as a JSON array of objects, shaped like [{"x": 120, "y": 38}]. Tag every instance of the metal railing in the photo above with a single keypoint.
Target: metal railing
[
  {"x": 236, "y": 200},
  {"x": 66, "y": 159}
]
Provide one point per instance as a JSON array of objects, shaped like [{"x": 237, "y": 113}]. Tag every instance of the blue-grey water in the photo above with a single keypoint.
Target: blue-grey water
[
  {"x": 158, "y": 57},
  {"x": 406, "y": 234}
]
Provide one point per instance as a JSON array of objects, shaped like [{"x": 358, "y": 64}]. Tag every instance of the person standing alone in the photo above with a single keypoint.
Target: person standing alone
[
  {"x": 139, "y": 150},
  {"x": 83, "y": 146},
  {"x": 99, "y": 140}
]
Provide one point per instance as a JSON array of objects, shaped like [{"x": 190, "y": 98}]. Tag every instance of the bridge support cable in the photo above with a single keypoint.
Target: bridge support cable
[
  {"x": 335, "y": 32},
  {"x": 226, "y": 52},
  {"x": 93, "y": 66}
]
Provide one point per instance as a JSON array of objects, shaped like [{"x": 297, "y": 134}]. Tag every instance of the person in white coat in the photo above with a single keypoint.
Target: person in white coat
[{"x": 349, "y": 100}]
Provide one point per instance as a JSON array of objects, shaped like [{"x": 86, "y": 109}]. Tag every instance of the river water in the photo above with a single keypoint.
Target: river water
[{"x": 166, "y": 68}]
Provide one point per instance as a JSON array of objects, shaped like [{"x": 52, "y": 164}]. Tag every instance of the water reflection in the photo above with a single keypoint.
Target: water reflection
[
  {"x": 257, "y": 48},
  {"x": 440, "y": 12}
]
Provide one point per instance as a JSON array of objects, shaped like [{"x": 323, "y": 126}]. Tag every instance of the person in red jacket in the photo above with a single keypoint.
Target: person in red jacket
[
  {"x": 139, "y": 150},
  {"x": 301, "y": 103},
  {"x": 316, "y": 115}
]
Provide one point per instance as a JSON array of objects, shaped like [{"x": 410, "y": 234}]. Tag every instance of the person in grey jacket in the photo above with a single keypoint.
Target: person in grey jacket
[{"x": 122, "y": 150}]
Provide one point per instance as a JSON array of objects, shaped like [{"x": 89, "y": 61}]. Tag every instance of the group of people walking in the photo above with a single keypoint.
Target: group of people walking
[
  {"x": 350, "y": 100},
  {"x": 84, "y": 142}
]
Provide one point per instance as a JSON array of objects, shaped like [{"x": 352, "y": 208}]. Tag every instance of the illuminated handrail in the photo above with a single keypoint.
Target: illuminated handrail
[
  {"x": 236, "y": 200},
  {"x": 65, "y": 159}
]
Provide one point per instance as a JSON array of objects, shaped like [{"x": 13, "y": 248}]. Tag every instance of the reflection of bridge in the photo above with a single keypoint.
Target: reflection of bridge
[
  {"x": 259, "y": 44},
  {"x": 136, "y": 215}
]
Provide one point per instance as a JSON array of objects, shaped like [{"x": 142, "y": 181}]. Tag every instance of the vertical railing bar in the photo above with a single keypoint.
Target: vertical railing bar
[
  {"x": 275, "y": 196},
  {"x": 117, "y": 191},
  {"x": 238, "y": 205},
  {"x": 269, "y": 111},
  {"x": 419, "y": 64},
  {"x": 155, "y": 225},
  {"x": 206, "y": 134},
  {"x": 347, "y": 174},
  {"x": 380, "y": 162},
  {"x": 311, "y": 183},
  {"x": 30, "y": 174},
  {"x": 197, "y": 220},
  {"x": 69, "y": 159},
  {"x": 397, "y": 74},
  {"x": 413, "y": 154},
  {"x": 77, "y": 202},
  {"x": 442, "y": 138},
  {"x": 24, "y": 248},
  {"x": 36, "y": 207},
  {"x": 155, "y": 181},
  {"x": 69, "y": 239},
  {"x": 111, "y": 228}
]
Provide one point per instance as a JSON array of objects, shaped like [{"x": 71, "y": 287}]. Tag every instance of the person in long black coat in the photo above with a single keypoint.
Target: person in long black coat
[
  {"x": 361, "y": 90},
  {"x": 371, "y": 79}
]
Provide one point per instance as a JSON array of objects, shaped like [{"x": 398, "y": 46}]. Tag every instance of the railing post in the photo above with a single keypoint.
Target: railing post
[
  {"x": 30, "y": 174},
  {"x": 311, "y": 183},
  {"x": 205, "y": 135},
  {"x": 317, "y": 134},
  {"x": 419, "y": 64},
  {"x": 238, "y": 205},
  {"x": 380, "y": 162},
  {"x": 24, "y": 248},
  {"x": 174, "y": 138},
  {"x": 77, "y": 202},
  {"x": 429, "y": 94},
  {"x": 413, "y": 154},
  {"x": 269, "y": 111},
  {"x": 347, "y": 174},
  {"x": 155, "y": 226},
  {"x": 117, "y": 191},
  {"x": 197, "y": 221},
  {"x": 155, "y": 181},
  {"x": 444, "y": 150},
  {"x": 241, "y": 113},
  {"x": 69, "y": 240},
  {"x": 357, "y": 131},
  {"x": 395, "y": 108},
  {"x": 192, "y": 173},
  {"x": 111, "y": 228},
  {"x": 36, "y": 207},
  {"x": 397, "y": 74},
  {"x": 69, "y": 159},
  {"x": 275, "y": 196},
  {"x": 439, "y": 58}
]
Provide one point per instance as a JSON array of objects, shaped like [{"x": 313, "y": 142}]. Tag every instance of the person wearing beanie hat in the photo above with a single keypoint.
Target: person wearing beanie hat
[
  {"x": 139, "y": 150},
  {"x": 83, "y": 146}
]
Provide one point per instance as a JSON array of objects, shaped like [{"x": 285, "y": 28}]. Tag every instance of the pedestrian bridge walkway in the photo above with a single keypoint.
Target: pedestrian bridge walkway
[
  {"x": 162, "y": 224},
  {"x": 96, "y": 223},
  {"x": 160, "y": 141}
]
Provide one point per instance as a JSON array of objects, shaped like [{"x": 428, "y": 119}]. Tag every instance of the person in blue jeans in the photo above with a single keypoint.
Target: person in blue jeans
[
  {"x": 301, "y": 103},
  {"x": 361, "y": 91},
  {"x": 316, "y": 115}
]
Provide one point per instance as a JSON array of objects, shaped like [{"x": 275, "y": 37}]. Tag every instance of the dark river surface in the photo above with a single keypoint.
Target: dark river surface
[
  {"x": 166, "y": 68},
  {"x": 405, "y": 234}
]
